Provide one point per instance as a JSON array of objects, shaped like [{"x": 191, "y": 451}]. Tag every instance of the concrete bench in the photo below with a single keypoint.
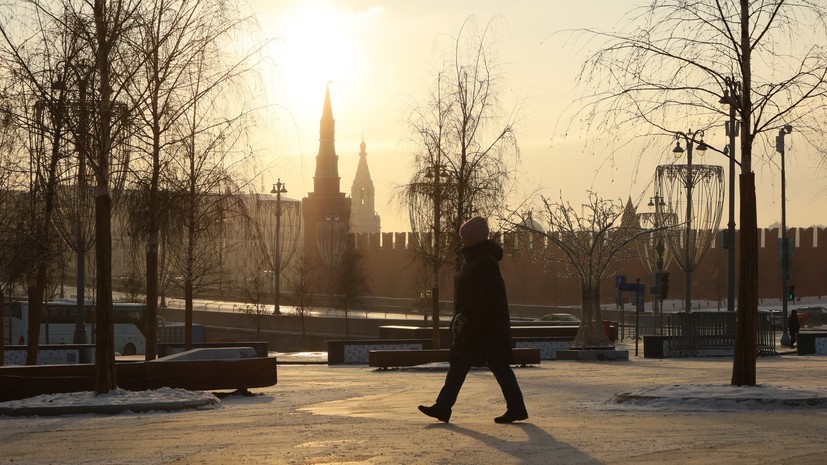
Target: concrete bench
[
  {"x": 812, "y": 343},
  {"x": 355, "y": 351},
  {"x": 385, "y": 359}
]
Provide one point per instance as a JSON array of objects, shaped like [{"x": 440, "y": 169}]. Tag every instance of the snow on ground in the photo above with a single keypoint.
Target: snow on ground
[
  {"x": 115, "y": 401},
  {"x": 644, "y": 411},
  {"x": 720, "y": 398},
  {"x": 669, "y": 397}
]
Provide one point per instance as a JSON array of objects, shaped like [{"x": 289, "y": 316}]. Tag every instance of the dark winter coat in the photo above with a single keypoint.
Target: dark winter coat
[
  {"x": 481, "y": 325},
  {"x": 793, "y": 325}
]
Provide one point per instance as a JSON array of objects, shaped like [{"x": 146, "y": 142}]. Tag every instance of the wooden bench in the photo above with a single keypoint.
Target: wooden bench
[
  {"x": 18, "y": 382},
  {"x": 385, "y": 359}
]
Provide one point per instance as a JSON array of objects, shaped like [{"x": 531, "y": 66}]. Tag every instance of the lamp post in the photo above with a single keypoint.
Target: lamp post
[
  {"x": 733, "y": 99},
  {"x": 690, "y": 138},
  {"x": 435, "y": 173},
  {"x": 658, "y": 203},
  {"x": 278, "y": 189},
  {"x": 785, "y": 259}
]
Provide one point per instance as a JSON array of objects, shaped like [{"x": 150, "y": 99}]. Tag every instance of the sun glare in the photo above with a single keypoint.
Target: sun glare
[{"x": 312, "y": 46}]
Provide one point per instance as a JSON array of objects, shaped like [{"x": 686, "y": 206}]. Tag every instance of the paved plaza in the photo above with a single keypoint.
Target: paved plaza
[{"x": 358, "y": 415}]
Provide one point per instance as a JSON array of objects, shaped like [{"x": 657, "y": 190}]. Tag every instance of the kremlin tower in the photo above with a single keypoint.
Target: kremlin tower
[
  {"x": 326, "y": 211},
  {"x": 363, "y": 217}
]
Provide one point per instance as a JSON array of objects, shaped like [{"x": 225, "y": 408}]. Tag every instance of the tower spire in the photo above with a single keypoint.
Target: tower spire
[
  {"x": 326, "y": 179},
  {"x": 363, "y": 214}
]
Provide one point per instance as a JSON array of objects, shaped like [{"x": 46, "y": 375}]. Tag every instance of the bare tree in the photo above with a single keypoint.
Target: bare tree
[
  {"x": 15, "y": 259},
  {"x": 351, "y": 282},
  {"x": 465, "y": 143},
  {"x": 682, "y": 59},
  {"x": 254, "y": 292},
  {"x": 172, "y": 39},
  {"x": 73, "y": 31},
  {"x": 13, "y": 208},
  {"x": 113, "y": 21},
  {"x": 206, "y": 174},
  {"x": 588, "y": 242},
  {"x": 303, "y": 285},
  {"x": 37, "y": 65}
]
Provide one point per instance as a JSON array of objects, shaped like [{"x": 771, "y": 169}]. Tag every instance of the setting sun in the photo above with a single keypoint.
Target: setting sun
[
  {"x": 381, "y": 59},
  {"x": 315, "y": 44}
]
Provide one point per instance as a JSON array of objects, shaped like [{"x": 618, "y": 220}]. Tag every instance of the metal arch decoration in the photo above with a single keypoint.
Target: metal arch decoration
[
  {"x": 289, "y": 234},
  {"x": 331, "y": 239},
  {"x": 421, "y": 214},
  {"x": 648, "y": 245},
  {"x": 706, "y": 183}
]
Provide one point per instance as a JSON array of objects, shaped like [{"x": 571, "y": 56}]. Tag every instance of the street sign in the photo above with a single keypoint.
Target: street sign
[
  {"x": 619, "y": 281},
  {"x": 628, "y": 287}
]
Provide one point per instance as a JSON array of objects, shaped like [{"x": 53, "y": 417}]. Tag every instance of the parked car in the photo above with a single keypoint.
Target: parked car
[
  {"x": 559, "y": 319},
  {"x": 812, "y": 316}
]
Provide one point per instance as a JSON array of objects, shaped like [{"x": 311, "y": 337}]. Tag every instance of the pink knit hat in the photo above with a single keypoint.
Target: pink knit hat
[{"x": 475, "y": 229}]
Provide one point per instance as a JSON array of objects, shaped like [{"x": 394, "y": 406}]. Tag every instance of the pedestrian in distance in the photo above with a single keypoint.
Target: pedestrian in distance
[
  {"x": 793, "y": 327},
  {"x": 481, "y": 326}
]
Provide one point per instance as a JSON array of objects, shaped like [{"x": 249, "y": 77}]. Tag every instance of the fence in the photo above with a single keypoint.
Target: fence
[{"x": 713, "y": 333}]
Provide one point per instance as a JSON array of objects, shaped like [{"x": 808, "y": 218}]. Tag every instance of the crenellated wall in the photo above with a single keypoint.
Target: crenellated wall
[{"x": 394, "y": 272}]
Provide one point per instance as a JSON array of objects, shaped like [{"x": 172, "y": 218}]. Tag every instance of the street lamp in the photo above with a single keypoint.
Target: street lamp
[
  {"x": 654, "y": 256},
  {"x": 435, "y": 172},
  {"x": 785, "y": 255},
  {"x": 691, "y": 138},
  {"x": 278, "y": 189},
  {"x": 733, "y": 99}
]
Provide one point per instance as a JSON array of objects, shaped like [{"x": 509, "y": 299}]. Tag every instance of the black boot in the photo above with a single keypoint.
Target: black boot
[
  {"x": 511, "y": 416},
  {"x": 435, "y": 412}
]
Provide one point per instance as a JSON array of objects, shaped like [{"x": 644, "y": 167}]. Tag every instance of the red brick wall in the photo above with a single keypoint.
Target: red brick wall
[{"x": 394, "y": 272}]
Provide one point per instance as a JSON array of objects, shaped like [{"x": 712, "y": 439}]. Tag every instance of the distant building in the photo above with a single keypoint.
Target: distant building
[
  {"x": 363, "y": 217},
  {"x": 326, "y": 211}
]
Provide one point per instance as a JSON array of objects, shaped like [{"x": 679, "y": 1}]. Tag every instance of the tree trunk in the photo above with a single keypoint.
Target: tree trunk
[
  {"x": 188, "y": 313},
  {"x": 152, "y": 282},
  {"x": 304, "y": 331},
  {"x": 105, "y": 378},
  {"x": 33, "y": 329},
  {"x": 151, "y": 300},
  {"x": 591, "y": 334},
  {"x": 743, "y": 366},
  {"x": 743, "y": 363},
  {"x": 2, "y": 329}
]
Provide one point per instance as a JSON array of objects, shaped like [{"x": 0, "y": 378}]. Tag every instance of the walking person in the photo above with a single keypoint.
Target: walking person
[
  {"x": 481, "y": 326},
  {"x": 793, "y": 327}
]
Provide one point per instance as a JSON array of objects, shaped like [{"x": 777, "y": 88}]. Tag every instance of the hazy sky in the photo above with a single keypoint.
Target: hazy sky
[{"x": 381, "y": 56}]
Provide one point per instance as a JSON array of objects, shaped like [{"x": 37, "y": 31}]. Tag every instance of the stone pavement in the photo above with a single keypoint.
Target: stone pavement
[{"x": 357, "y": 415}]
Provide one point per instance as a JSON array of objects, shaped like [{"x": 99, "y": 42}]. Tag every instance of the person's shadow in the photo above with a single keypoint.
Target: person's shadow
[{"x": 543, "y": 448}]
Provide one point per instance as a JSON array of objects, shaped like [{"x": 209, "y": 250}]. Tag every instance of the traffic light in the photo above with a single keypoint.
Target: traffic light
[
  {"x": 791, "y": 294},
  {"x": 654, "y": 290},
  {"x": 664, "y": 285}
]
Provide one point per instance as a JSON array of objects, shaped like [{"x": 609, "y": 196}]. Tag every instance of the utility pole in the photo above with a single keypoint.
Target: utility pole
[
  {"x": 278, "y": 189},
  {"x": 732, "y": 98},
  {"x": 785, "y": 259}
]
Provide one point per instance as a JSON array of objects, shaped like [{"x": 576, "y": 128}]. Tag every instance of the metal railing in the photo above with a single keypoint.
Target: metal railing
[{"x": 713, "y": 333}]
